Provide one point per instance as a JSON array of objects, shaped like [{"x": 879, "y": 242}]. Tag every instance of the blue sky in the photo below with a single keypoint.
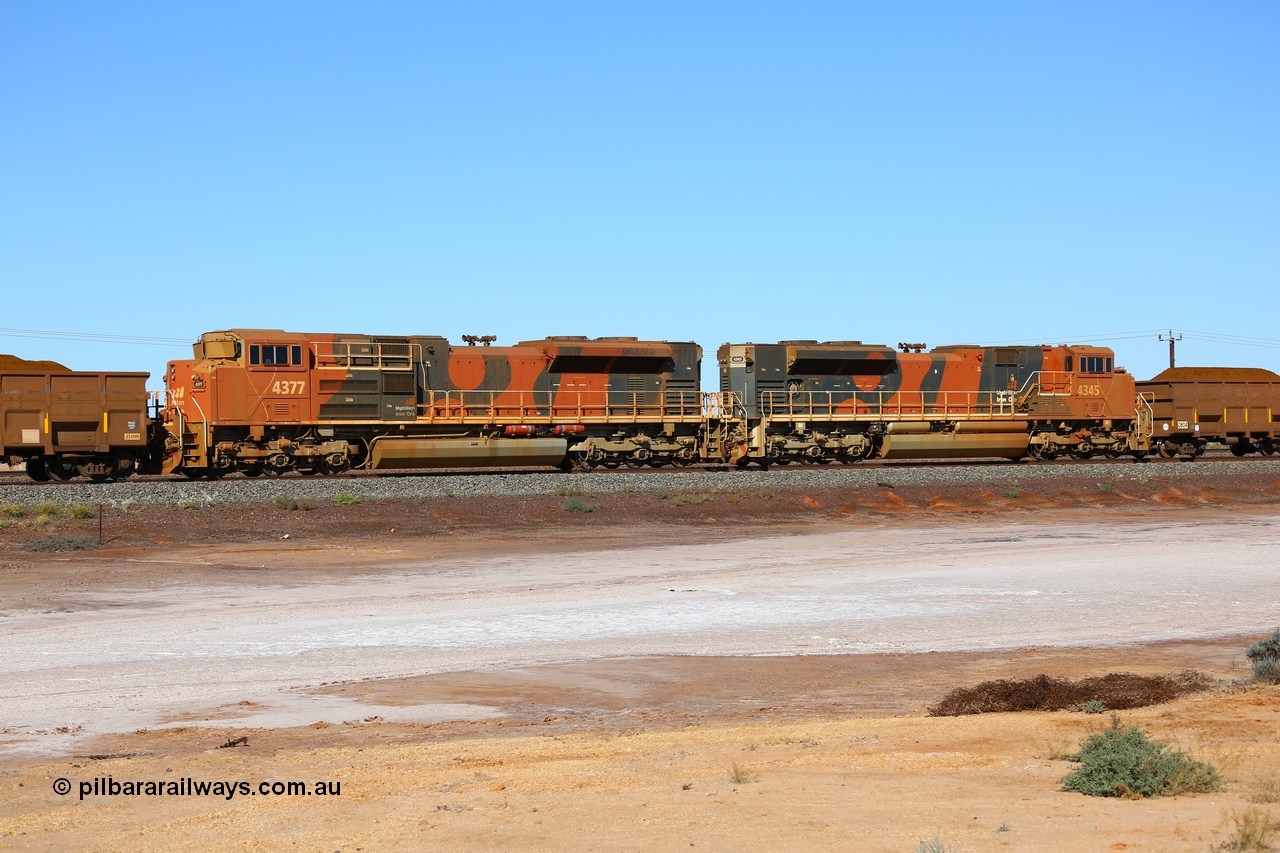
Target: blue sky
[{"x": 942, "y": 172}]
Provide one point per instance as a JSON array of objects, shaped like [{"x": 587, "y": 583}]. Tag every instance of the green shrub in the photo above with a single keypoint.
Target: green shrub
[
  {"x": 63, "y": 543},
  {"x": 1124, "y": 762},
  {"x": 12, "y": 511},
  {"x": 1264, "y": 655},
  {"x": 572, "y": 504},
  {"x": 187, "y": 503},
  {"x": 934, "y": 845},
  {"x": 345, "y": 499},
  {"x": 660, "y": 494},
  {"x": 567, "y": 491},
  {"x": 81, "y": 511},
  {"x": 1107, "y": 487},
  {"x": 49, "y": 508},
  {"x": 285, "y": 502},
  {"x": 1093, "y": 706}
]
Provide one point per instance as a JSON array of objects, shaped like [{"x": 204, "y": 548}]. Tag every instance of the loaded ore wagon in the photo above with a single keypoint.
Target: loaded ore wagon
[
  {"x": 65, "y": 423},
  {"x": 268, "y": 401},
  {"x": 804, "y": 401},
  {"x": 1236, "y": 406}
]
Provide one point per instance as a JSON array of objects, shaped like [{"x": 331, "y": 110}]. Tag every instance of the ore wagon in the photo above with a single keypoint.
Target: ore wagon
[
  {"x": 1236, "y": 406},
  {"x": 64, "y": 423}
]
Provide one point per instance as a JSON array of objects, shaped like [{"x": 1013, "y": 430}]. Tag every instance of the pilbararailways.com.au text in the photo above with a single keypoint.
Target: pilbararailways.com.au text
[{"x": 188, "y": 787}]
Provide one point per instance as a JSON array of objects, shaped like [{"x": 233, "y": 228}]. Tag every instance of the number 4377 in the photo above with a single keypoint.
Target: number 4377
[{"x": 287, "y": 387}]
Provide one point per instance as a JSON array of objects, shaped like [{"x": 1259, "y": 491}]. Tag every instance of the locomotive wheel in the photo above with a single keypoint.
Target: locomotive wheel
[
  {"x": 252, "y": 471},
  {"x": 36, "y": 470},
  {"x": 333, "y": 464}
]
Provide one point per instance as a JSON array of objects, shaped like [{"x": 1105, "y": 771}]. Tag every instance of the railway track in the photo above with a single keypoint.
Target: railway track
[
  {"x": 16, "y": 477},
  {"x": 445, "y": 484}
]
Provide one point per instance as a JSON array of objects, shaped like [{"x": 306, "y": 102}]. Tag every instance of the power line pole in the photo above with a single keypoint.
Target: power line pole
[{"x": 1172, "y": 340}]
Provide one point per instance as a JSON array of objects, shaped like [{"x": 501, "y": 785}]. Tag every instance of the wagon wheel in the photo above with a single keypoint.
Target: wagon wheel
[
  {"x": 58, "y": 471},
  {"x": 36, "y": 470}
]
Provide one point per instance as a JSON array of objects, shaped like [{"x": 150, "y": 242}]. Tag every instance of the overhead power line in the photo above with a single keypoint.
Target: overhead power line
[
  {"x": 46, "y": 334},
  {"x": 1101, "y": 337}
]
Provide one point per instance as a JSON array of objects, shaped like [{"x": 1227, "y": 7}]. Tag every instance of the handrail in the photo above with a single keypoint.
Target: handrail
[
  {"x": 561, "y": 406},
  {"x": 1151, "y": 414},
  {"x": 876, "y": 405},
  {"x": 335, "y": 357}
]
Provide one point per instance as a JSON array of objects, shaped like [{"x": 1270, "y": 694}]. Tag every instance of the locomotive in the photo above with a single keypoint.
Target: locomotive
[
  {"x": 271, "y": 402},
  {"x": 264, "y": 401},
  {"x": 804, "y": 401}
]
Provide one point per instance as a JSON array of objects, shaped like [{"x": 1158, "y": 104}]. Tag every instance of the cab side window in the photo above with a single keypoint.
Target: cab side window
[
  {"x": 269, "y": 355},
  {"x": 1095, "y": 364}
]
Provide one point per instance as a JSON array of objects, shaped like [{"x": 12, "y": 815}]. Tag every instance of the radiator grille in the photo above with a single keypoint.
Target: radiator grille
[{"x": 397, "y": 383}]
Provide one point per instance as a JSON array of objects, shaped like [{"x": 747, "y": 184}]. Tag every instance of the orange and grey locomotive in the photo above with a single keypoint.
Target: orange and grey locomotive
[
  {"x": 804, "y": 401},
  {"x": 268, "y": 401}
]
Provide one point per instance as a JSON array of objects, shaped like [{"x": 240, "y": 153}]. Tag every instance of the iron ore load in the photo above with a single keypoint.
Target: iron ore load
[{"x": 265, "y": 401}]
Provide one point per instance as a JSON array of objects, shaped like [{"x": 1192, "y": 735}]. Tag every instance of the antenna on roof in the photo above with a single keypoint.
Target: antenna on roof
[{"x": 472, "y": 340}]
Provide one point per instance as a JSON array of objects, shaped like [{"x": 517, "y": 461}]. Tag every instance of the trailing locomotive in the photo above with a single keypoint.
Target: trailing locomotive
[
  {"x": 804, "y": 401},
  {"x": 268, "y": 401}
]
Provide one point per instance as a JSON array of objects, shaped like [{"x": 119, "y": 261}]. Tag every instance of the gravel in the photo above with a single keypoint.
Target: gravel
[{"x": 238, "y": 489}]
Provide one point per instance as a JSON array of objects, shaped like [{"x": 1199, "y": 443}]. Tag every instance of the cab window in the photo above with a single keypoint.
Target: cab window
[
  {"x": 272, "y": 355},
  {"x": 1095, "y": 364}
]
